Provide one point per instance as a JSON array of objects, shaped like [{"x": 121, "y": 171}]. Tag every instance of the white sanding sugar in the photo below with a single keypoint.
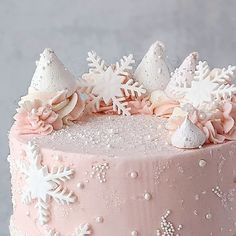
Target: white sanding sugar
[{"x": 112, "y": 135}]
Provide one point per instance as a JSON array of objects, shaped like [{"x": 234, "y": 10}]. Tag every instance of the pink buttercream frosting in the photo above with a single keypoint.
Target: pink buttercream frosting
[
  {"x": 35, "y": 118},
  {"x": 44, "y": 114},
  {"x": 218, "y": 127},
  {"x": 141, "y": 105}
]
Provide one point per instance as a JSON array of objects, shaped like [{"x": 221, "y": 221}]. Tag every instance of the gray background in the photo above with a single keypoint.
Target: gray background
[{"x": 112, "y": 28}]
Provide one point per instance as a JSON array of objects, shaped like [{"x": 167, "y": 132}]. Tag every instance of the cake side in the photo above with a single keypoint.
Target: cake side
[
  {"x": 121, "y": 152},
  {"x": 188, "y": 189}
]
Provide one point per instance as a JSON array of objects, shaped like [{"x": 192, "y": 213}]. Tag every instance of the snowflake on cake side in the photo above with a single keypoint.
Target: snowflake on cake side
[
  {"x": 83, "y": 230},
  {"x": 43, "y": 185},
  {"x": 110, "y": 84}
]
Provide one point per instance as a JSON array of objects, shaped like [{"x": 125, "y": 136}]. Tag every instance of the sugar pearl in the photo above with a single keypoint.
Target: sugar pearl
[
  {"x": 202, "y": 163},
  {"x": 133, "y": 174},
  {"x": 134, "y": 233},
  {"x": 147, "y": 196},
  {"x": 99, "y": 219},
  {"x": 208, "y": 216},
  {"x": 202, "y": 115},
  {"x": 80, "y": 185}
]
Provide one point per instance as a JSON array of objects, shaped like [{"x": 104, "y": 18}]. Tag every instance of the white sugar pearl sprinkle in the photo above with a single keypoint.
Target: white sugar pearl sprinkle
[
  {"x": 99, "y": 219},
  {"x": 134, "y": 233},
  {"x": 202, "y": 163},
  {"x": 133, "y": 174},
  {"x": 80, "y": 185},
  {"x": 147, "y": 196}
]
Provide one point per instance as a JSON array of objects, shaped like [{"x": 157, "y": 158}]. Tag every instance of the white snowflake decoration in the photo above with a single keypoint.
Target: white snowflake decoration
[
  {"x": 208, "y": 88},
  {"x": 209, "y": 91},
  {"x": 43, "y": 185},
  {"x": 83, "y": 230},
  {"x": 111, "y": 84}
]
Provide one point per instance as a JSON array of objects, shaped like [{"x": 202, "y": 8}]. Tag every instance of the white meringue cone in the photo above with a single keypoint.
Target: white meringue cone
[
  {"x": 51, "y": 76},
  {"x": 188, "y": 136},
  {"x": 153, "y": 72},
  {"x": 183, "y": 75}
]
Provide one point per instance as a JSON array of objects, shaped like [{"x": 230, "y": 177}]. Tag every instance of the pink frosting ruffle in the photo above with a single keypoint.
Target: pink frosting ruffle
[
  {"x": 40, "y": 117},
  {"x": 222, "y": 125},
  {"x": 219, "y": 127},
  {"x": 35, "y": 118}
]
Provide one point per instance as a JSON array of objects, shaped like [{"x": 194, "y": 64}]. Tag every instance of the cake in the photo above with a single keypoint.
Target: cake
[{"x": 123, "y": 152}]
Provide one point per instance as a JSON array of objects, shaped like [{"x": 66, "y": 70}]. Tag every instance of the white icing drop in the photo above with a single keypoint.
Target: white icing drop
[
  {"x": 153, "y": 72},
  {"x": 51, "y": 75},
  {"x": 188, "y": 135}
]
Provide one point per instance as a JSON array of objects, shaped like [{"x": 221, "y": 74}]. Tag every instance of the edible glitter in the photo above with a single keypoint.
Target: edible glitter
[{"x": 108, "y": 135}]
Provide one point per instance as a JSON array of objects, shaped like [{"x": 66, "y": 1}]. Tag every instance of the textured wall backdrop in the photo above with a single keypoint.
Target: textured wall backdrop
[{"x": 112, "y": 28}]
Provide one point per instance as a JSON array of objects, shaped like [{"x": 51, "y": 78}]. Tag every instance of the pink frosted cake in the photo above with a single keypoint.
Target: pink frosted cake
[{"x": 123, "y": 153}]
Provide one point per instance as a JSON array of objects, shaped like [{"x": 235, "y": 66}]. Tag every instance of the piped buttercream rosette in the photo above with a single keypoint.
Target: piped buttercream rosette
[{"x": 52, "y": 100}]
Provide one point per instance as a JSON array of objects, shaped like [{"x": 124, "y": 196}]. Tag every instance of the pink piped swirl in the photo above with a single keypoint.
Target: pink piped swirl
[
  {"x": 218, "y": 127},
  {"x": 136, "y": 106},
  {"x": 43, "y": 116},
  {"x": 222, "y": 125},
  {"x": 35, "y": 118}
]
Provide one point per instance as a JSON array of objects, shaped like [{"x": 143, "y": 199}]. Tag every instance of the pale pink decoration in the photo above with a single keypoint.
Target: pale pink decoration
[
  {"x": 178, "y": 116},
  {"x": 68, "y": 109},
  {"x": 166, "y": 109},
  {"x": 136, "y": 106},
  {"x": 35, "y": 118},
  {"x": 212, "y": 129},
  {"x": 163, "y": 105},
  {"x": 141, "y": 106}
]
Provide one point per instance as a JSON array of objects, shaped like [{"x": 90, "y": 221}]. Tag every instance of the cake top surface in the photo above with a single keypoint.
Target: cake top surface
[
  {"x": 195, "y": 104},
  {"x": 111, "y": 135}
]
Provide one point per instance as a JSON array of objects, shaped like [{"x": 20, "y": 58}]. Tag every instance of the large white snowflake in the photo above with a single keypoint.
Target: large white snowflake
[
  {"x": 43, "y": 185},
  {"x": 83, "y": 230},
  {"x": 111, "y": 84},
  {"x": 208, "y": 88}
]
